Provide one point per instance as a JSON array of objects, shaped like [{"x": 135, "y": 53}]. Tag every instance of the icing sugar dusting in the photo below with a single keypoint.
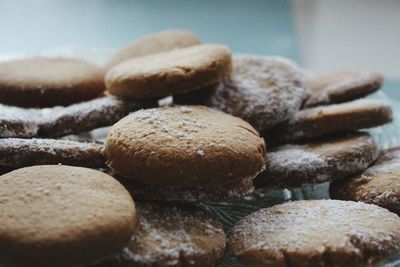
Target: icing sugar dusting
[
  {"x": 325, "y": 160},
  {"x": 319, "y": 226},
  {"x": 294, "y": 157},
  {"x": 263, "y": 91},
  {"x": 169, "y": 234},
  {"x": 58, "y": 121},
  {"x": 389, "y": 161}
]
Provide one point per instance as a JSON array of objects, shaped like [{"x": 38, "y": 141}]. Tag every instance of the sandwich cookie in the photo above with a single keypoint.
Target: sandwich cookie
[
  {"x": 323, "y": 160},
  {"x": 18, "y": 152},
  {"x": 54, "y": 215},
  {"x": 173, "y": 236},
  {"x": 330, "y": 119},
  {"x": 153, "y": 43},
  {"x": 316, "y": 233},
  {"x": 341, "y": 86},
  {"x": 189, "y": 146},
  {"x": 47, "y": 82},
  {"x": 173, "y": 72},
  {"x": 263, "y": 91},
  {"x": 379, "y": 184}
]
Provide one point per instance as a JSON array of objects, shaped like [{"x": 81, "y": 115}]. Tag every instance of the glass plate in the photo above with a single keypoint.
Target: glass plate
[{"x": 230, "y": 212}]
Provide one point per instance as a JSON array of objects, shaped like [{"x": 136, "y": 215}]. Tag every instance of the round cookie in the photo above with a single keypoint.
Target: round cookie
[
  {"x": 341, "y": 86},
  {"x": 53, "y": 215},
  {"x": 316, "y": 233},
  {"x": 86, "y": 116},
  {"x": 379, "y": 184},
  {"x": 317, "y": 162},
  {"x": 47, "y": 82},
  {"x": 263, "y": 91},
  {"x": 174, "y": 72},
  {"x": 337, "y": 118},
  {"x": 18, "y": 122},
  {"x": 184, "y": 146},
  {"x": 60, "y": 121},
  {"x": 219, "y": 193},
  {"x": 154, "y": 43},
  {"x": 18, "y": 152},
  {"x": 173, "y": 236}
]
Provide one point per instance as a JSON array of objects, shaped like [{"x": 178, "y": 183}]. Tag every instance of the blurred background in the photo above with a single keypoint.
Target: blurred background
[{"x": 319, "y": 34}]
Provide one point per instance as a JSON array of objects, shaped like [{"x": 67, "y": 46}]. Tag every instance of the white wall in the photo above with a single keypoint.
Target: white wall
[{"x": 336, "y": 34}]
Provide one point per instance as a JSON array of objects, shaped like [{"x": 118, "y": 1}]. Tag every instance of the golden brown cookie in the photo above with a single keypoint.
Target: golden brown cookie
[
  {"x": 184, "y": 146},
  {"x": 54, "y": 215},
  {"x": 154, "y": 43},
  {"x": 316, "y": 233},
  {"x": 173, "y": 236},
  {"x": 263, "y": 91},
  {"x": 320, "y": 161},
  {"x": 379, "y": 184},
  {"x": 338, "y": 118},
  {"x": 59, "y": 121},
  {"x": 47, "y": 82},
  {"x": 174, "y": 72},
  {"x": 341, "y": 86},
  {"x": 18, "y": 152},
  {"x": 206, "y": 194}
]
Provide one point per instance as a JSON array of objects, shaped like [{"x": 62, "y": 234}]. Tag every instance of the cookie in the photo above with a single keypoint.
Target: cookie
[
  {"x": 54, "y": 215},
  {"x": 59, "y": 121},
  {"x": 154, "y": 43},
  {"x": 17, "y": 153},
  {"x": 320, "y": 161},
  {"x": 337, "y": 118},
  {"x": 316, "y": 233},
  {"x": 379, "y": 184},
  {"x": 184, "y": 146},
  {"x": 263, "y": 91},
  {"x": 86, "y": 116},
  {"x": 341, "y": 86},
  {"x": 18, "y": 122},
  {"x": 195, "y": 194},
  {"x": 173, "y": 236},
  {"x": 163, "y": 74},
  {"x": 47, "y": 82}
]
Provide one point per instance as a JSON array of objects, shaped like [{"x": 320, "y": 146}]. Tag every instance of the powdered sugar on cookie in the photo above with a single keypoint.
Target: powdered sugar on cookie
[
  {"x": 170, "y": 235},
  {"x": 315, "y": 228},
  {"x": 58, "y": 121}
]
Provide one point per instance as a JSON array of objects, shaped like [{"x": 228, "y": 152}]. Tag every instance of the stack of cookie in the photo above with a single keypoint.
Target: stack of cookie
[{"x": 65, "y": 202}]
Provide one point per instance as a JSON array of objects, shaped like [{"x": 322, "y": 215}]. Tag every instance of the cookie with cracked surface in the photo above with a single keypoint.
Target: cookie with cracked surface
[
  {"x": 320, "y": 161},
  {"x": 173, "y": 236},
  {"x": 338, "y": 118},
  {"x": 59, "y": 121},
  {"x": 47, "y": 82},
  {"x": 173, "y": 72},
  {"x": 341, "y": 86},
  {"x": 211, "y": 194},
  {"x": 18, "y": 152},
  {"x": 379, "y": 184},
  {"x": 184, "y": 146},
  {"x": 263, "y": 91},
  {"x": 153, "y": 43},
  {"x": 316, "y": 233},
  {"x": 53, "y": 215}
]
